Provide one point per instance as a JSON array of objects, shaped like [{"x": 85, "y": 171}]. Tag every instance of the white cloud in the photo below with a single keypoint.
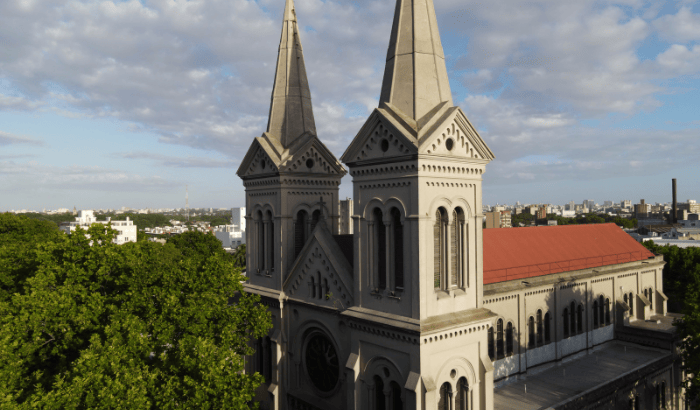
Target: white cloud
[
  {"x": 683, "y": 26},
  {"x": 7, "y": 139}
]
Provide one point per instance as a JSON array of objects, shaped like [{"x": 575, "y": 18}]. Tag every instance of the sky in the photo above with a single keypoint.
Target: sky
[{"x": 110, "y": 104}]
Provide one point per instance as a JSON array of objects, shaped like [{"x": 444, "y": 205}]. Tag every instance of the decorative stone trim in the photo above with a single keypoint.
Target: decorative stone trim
[
  {"x": 537, "y": 292},
  {"x": 270, "y": 302},
  {"x": 648, "y": 271},
  {"x": 602, "y": 280},
  {"x": 383, "y": 333},
  {"x": 271, "y": 193},
  {"x": 450, "y": 184},
  {"x": 627, "y": 275},
  {"x": 261, "y": 182},
  {"x": 452, "y": 170},
  {"x": 486, "y": 302},
  {"x": 310, "y": 193},
  {"x": 309, "y": 182},
  {"x": 573, "y": 285},
  {"x": 384, "y": 170},
  {"x": 386, "y": 185},
  {"x": 454, "y": 333}
]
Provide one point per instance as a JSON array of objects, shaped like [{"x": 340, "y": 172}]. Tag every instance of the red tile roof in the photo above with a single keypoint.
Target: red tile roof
[{"x": 518, "y": 253}]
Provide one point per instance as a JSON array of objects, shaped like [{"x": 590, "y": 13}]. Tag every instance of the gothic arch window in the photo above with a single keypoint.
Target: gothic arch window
[
  {"x": 539, "y": 327},
  {"x": 499, "y": 339},
  {"x": 631, "y": 302},
  {"x": 572, "y": 313},
  {"x": 531, "y": 330},
  {"x": 440, "y": 248},
  {"x": 579, "y": 319},
  {"x": 445, "y": 402},
  {"x": 315, "y": 217},
  {"x": 601, "y": 310},
  {"x": 395, "y": 399},
  {"x": 509, "y": 339},
  {"x": 379, "y": 399},
  {"x": 260, "y": 252},
  {"x": 566, "y": 322},
  {"x": 301, "y": 231},
  {"x": 379, "y": 248},
  {"x": 457, "y": 250},
  {"x": 626, "y": 300},
  {"x": 270, "y": 238},
  {"x": 547, "y": 328},
  {"x": 462, "y": 402},
  {"x": 595, "y": 314},
  {"x": 607, "y": 312},
  {"x": 491, "y": 343},
  {"x": 397, "y": 249},
  {"x": 312, "y": 285}
]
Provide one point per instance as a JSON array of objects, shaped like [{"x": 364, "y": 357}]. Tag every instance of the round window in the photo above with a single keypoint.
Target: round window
[
  {"x": 322, "y": 363},
  {"x": 309, "y": 163},
  {"x": 385, "y": 145},
  {"x": 449, "y": 144}
]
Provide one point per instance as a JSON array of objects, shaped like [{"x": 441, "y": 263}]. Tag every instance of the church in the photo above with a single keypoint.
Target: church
[{"x": 422, "y": 308}]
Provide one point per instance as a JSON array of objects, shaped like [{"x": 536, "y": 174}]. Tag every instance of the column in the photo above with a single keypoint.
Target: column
[
  {"x": 447, "y": 241},
  {"x": 371, "y": 257},
  {"x": 266, "y": 246},
  {"x": 389, "y": 261}
]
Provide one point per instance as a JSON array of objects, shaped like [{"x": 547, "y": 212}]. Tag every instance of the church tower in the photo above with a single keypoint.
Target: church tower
[
  {"x": 417, "y": 166},
  {"x": 288, "y": 173}
]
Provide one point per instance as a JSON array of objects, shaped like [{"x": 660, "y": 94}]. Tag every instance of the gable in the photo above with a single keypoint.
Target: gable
[
  {"x": 380, "y": 137},
  {"x": 454, "y": 135},
  {"x": 313, "y": 157},
  {"x": 321, "y": 275},
  {"x": 261, "y": 159}
]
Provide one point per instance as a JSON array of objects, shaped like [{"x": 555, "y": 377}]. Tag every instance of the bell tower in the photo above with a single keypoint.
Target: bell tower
[
  {"x": 286, "y": 170},
  {"x": 417, "y": 166}
]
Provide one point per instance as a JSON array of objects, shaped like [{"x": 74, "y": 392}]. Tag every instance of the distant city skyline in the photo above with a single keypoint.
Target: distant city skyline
[{"x": 125, "y": 103}]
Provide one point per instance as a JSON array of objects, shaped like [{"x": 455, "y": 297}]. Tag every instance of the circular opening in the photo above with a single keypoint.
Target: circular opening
[
  {"x": 322, "y": 364},
  {"x": 453, "y": 373},
  {"x": 309, "y": 163},
  {"x": 385, "y": 145},
  {"x": 449, "y": 144}
]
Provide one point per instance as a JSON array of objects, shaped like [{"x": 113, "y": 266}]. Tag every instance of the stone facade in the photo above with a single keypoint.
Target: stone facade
[{"x": 396, "y": 315}]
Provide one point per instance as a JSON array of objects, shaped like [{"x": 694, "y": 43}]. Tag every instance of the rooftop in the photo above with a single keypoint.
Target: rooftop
[
  {"x": 569, "y": 381},
  {"x": 519, "y": 253}
]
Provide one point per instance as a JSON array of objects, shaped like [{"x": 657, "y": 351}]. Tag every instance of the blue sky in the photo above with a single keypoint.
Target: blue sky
[{"x": 105, "y": 104}]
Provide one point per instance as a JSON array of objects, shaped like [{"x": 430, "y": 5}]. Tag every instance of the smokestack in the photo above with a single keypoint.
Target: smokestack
[{"x": 674, "y": 207}]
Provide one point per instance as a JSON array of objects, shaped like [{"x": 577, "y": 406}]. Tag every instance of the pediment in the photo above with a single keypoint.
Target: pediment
[
  {"x": 262, "y": 158},
  {"x": 312, "y": 157},
  {"x": 382, "y": 136},
  {"x": 321, "y": 275},
  {"x": 454, "y": 136}
]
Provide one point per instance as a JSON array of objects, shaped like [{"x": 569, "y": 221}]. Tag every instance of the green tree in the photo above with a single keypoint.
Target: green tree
[
  {"x": 239, "y": 256},
  {"x": 689, "y": 333},
  {"x": 140, "y": 325}
]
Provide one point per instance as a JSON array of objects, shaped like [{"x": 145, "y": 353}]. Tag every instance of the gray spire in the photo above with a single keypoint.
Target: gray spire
[
  {"x": 290, "y": 111},
  {"x": 415, "y": 76}
]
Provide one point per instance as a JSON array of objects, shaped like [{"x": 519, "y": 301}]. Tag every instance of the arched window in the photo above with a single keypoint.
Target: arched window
[
  {"x": 651, "y": 298},
  {"x": 379, "y": 400},
  {"x": 315, "y": 217},
  {"x": 631, "y": 303},
  {"x": 260, "y": 252},
  {"x": 396, "y": 402},
  {"x": 547, "y": 328},
  {"x": 462, "y": 402},
  {"x": 509, "y": 339},
  {"x": 601, "y": 310},
  {"x": 499, "y": 339},
  {"x": 607, "y": 311},
  {"x": 301, "y": 227},
  {"x": 531, "y": 332},
  {"x": 626, "y": 300},
  {"x": 379, "y": 249},
  {"x": 579, "y": 319},
  {"x": 270, "y": 249},
  {"x": 491, "y": 343},
  {"x": 440, "y": 248},
  {"x": 312, "y": 284},
  {"x": 566, "y": 322},
  {"x": 457, "y": 250},
  {"x": 595, "y": 314},
  {"x": 445, "y": 397},
  {"x": 663, "y": 395},
  {"x": 539, "y": 327},
  {"x": 397, "y": 248},
  {"x": 572, "y": 313}
]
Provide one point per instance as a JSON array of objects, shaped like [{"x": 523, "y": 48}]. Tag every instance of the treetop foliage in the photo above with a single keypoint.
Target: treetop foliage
[{"x": 140, "y": 325}]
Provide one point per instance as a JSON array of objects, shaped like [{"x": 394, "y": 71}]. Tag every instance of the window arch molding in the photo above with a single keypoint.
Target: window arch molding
[
  {"x": 306, "y": 330},
  {"x": 462, "y": 367},
  {"x": 386, "y": 370},
  {"x": 264, "y": 208},
  {"x": 385, "y": 206},
  {"x": 450, "y": 205}
]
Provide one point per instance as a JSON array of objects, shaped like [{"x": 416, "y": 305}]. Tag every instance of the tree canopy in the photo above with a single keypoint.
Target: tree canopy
[{"x": 140, "y": 325}]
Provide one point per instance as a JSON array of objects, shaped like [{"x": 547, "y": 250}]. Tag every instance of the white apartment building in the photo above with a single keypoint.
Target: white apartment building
[{"x": 126, "y": 229}]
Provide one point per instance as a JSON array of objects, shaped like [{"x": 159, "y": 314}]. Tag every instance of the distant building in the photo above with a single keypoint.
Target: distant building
[
  {"x": 542, "y": 212},
  {"x": 230, "y": 236},
  {"x": 498, "y": 219},
  {"x": 126, "y": 229},
  {"x": 238, "y": 218},
  {"x": 345, "y": 210}
]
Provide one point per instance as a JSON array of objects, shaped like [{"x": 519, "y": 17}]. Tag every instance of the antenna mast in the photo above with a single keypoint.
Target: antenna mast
[{"x": 187, "y": 202}]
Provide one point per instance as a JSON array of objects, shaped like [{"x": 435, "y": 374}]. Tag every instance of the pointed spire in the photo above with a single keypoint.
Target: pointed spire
[
  {"x": 415, "y": 76},
  {"x": 290, "y": 111}
]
